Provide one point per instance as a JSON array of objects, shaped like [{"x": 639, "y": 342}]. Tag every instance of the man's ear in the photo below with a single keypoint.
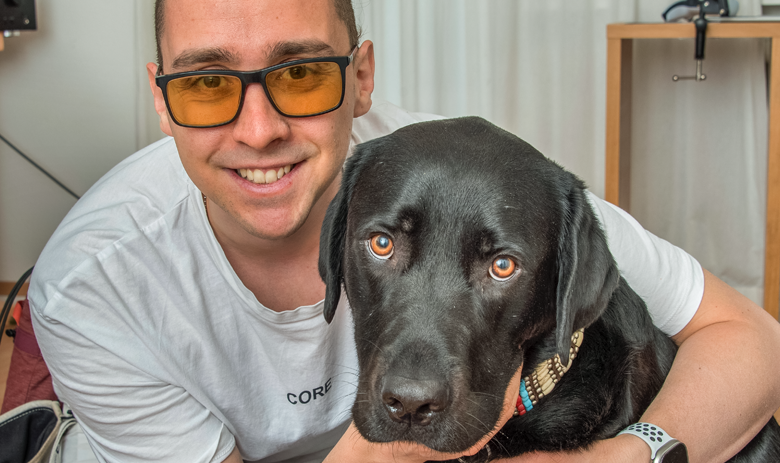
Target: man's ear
[
  {"x": 159, "y": 101},
  {"x": 364, "y": 78}
]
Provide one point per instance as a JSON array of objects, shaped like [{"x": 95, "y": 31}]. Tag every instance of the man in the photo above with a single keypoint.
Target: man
[{"x": 179, "y": 304}]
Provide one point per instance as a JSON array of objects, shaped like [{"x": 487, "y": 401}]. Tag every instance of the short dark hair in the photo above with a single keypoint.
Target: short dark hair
[
  {"x": 347, "y": 15},
  {"x": 344, "y": 11},
  {"x": 159, "y": 23}
]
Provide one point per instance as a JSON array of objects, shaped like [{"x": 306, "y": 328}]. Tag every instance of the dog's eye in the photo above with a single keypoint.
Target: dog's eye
[
  {"x": 381, "y": 246},
  {"x": 503, "y": 268}
]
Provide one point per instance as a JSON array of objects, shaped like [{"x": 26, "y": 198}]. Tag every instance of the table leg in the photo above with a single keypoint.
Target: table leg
[
  {"x": 772, "y": 257},
  {"x": 618, "y": 143}
]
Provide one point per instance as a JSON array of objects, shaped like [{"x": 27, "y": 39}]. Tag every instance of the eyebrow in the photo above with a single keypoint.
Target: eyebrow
[
  {"x": 190, "y": 58},
  {"x": 282, "y": 49},
  {"x": 219, "y": 55}
]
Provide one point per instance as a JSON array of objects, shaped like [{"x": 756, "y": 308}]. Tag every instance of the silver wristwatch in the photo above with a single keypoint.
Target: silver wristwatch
[{"x": 663, "y": 447}]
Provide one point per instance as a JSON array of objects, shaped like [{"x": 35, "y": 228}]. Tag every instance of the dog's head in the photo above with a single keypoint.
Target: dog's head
[{"x": 460, "y": 247}]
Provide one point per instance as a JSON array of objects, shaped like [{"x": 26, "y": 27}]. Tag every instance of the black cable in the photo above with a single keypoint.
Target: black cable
[
  {"x": 9, "y": 302},
  {"x": 39, "y": 168}
]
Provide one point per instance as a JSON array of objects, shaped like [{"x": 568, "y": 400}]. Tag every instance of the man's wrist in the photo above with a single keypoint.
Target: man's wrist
[{"x": 632, "y": 448}]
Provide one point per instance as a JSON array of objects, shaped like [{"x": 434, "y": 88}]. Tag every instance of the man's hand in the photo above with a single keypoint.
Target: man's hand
[{"x": 353, "y": 448}]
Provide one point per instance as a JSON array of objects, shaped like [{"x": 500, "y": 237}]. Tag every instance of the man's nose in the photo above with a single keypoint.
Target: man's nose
[{"x": 259, "y": 124}]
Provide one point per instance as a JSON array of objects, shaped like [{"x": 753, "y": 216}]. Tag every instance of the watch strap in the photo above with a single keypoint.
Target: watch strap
[{"x": 653, "y": 435}]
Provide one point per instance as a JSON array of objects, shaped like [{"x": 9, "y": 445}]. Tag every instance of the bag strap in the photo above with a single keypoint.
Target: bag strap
[{"x": 66, "y": 422}]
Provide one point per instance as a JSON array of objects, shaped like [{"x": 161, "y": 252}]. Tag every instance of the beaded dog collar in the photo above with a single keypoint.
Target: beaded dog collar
[
  {"x": 542, "y": 381},
  {"x": 546, "y": 375}
]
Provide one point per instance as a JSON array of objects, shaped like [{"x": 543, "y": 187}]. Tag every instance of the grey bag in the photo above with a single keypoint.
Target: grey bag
[{"x": 32, "y": 432}]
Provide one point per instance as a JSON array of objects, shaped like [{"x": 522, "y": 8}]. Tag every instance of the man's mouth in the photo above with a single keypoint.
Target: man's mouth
[{"x": 265, "y": 176}]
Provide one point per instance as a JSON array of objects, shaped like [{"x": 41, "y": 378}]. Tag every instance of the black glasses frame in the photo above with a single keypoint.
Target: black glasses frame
[{"x": 256, "y": 77}]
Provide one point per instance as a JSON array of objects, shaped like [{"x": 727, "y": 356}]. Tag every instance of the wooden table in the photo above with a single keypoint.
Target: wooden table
[{"x": 618, "y": 143}]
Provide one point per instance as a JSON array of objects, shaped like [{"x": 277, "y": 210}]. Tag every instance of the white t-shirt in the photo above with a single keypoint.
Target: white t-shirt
[{"x": 165, "y": 355}]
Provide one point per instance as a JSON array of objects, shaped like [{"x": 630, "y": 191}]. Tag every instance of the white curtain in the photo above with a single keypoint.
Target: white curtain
[{"x": 538, "y": 69}]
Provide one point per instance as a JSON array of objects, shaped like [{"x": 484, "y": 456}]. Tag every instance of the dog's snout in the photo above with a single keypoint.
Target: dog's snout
[{"x": 415, "y": 402}]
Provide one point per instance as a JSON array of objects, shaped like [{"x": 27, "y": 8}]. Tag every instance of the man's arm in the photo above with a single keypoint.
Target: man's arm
[
  {"x": 234, "y": 457},
  {"x": 725, "y": 381},
  {"x": 723, "y": 387}
]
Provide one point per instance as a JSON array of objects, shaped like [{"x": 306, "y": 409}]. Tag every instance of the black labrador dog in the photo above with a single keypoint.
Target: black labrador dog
[{"x": 465, "y": 253}]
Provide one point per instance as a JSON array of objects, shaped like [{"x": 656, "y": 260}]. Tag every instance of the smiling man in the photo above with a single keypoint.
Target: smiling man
[{"x": 179, "y": 305}]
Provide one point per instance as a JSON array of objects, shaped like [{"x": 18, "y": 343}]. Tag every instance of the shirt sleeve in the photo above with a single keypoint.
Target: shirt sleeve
[
  {"x": 128, "y": 411},
  {"x": 670, "y": 281},
  {"x": 383, "y": 119}
]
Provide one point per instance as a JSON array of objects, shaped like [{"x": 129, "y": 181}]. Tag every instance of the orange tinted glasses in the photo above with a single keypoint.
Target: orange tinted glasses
[{"x": 302, "y": 88}]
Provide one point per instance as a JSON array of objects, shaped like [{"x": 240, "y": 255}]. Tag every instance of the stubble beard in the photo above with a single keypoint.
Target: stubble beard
[{"x": 300, "y": 220}]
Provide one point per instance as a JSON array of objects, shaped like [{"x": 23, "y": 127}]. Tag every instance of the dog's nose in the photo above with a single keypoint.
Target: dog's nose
[{"x": 414, "y": 401}]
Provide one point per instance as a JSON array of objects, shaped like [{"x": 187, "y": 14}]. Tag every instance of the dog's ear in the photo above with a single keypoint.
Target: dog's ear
[
  {"x": 332, "y": 237},
  {"x": 334, "y": 231},
  {"x": 587, "y": 273}
]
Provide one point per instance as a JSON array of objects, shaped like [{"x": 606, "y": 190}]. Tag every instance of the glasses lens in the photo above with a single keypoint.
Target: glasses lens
[
  {"x": 305, "y": 89},
  {"x": 204, "y": 100}
]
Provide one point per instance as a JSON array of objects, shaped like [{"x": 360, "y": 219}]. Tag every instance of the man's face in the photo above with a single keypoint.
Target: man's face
[{"x": 248, "y": 35}]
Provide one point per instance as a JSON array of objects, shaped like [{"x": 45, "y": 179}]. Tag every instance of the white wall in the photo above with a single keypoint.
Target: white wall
[{"x": 74, "y": 97}]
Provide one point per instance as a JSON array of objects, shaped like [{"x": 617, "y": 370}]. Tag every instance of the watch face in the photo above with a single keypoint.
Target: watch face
[{"x": 676, "y": 454}]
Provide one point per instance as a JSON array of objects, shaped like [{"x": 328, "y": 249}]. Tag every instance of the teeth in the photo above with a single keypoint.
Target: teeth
[{"x": 270, "y": 176}]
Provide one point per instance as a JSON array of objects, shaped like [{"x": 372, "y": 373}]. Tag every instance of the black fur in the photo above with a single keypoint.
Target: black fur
[{"x": 438, "y": 339}]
